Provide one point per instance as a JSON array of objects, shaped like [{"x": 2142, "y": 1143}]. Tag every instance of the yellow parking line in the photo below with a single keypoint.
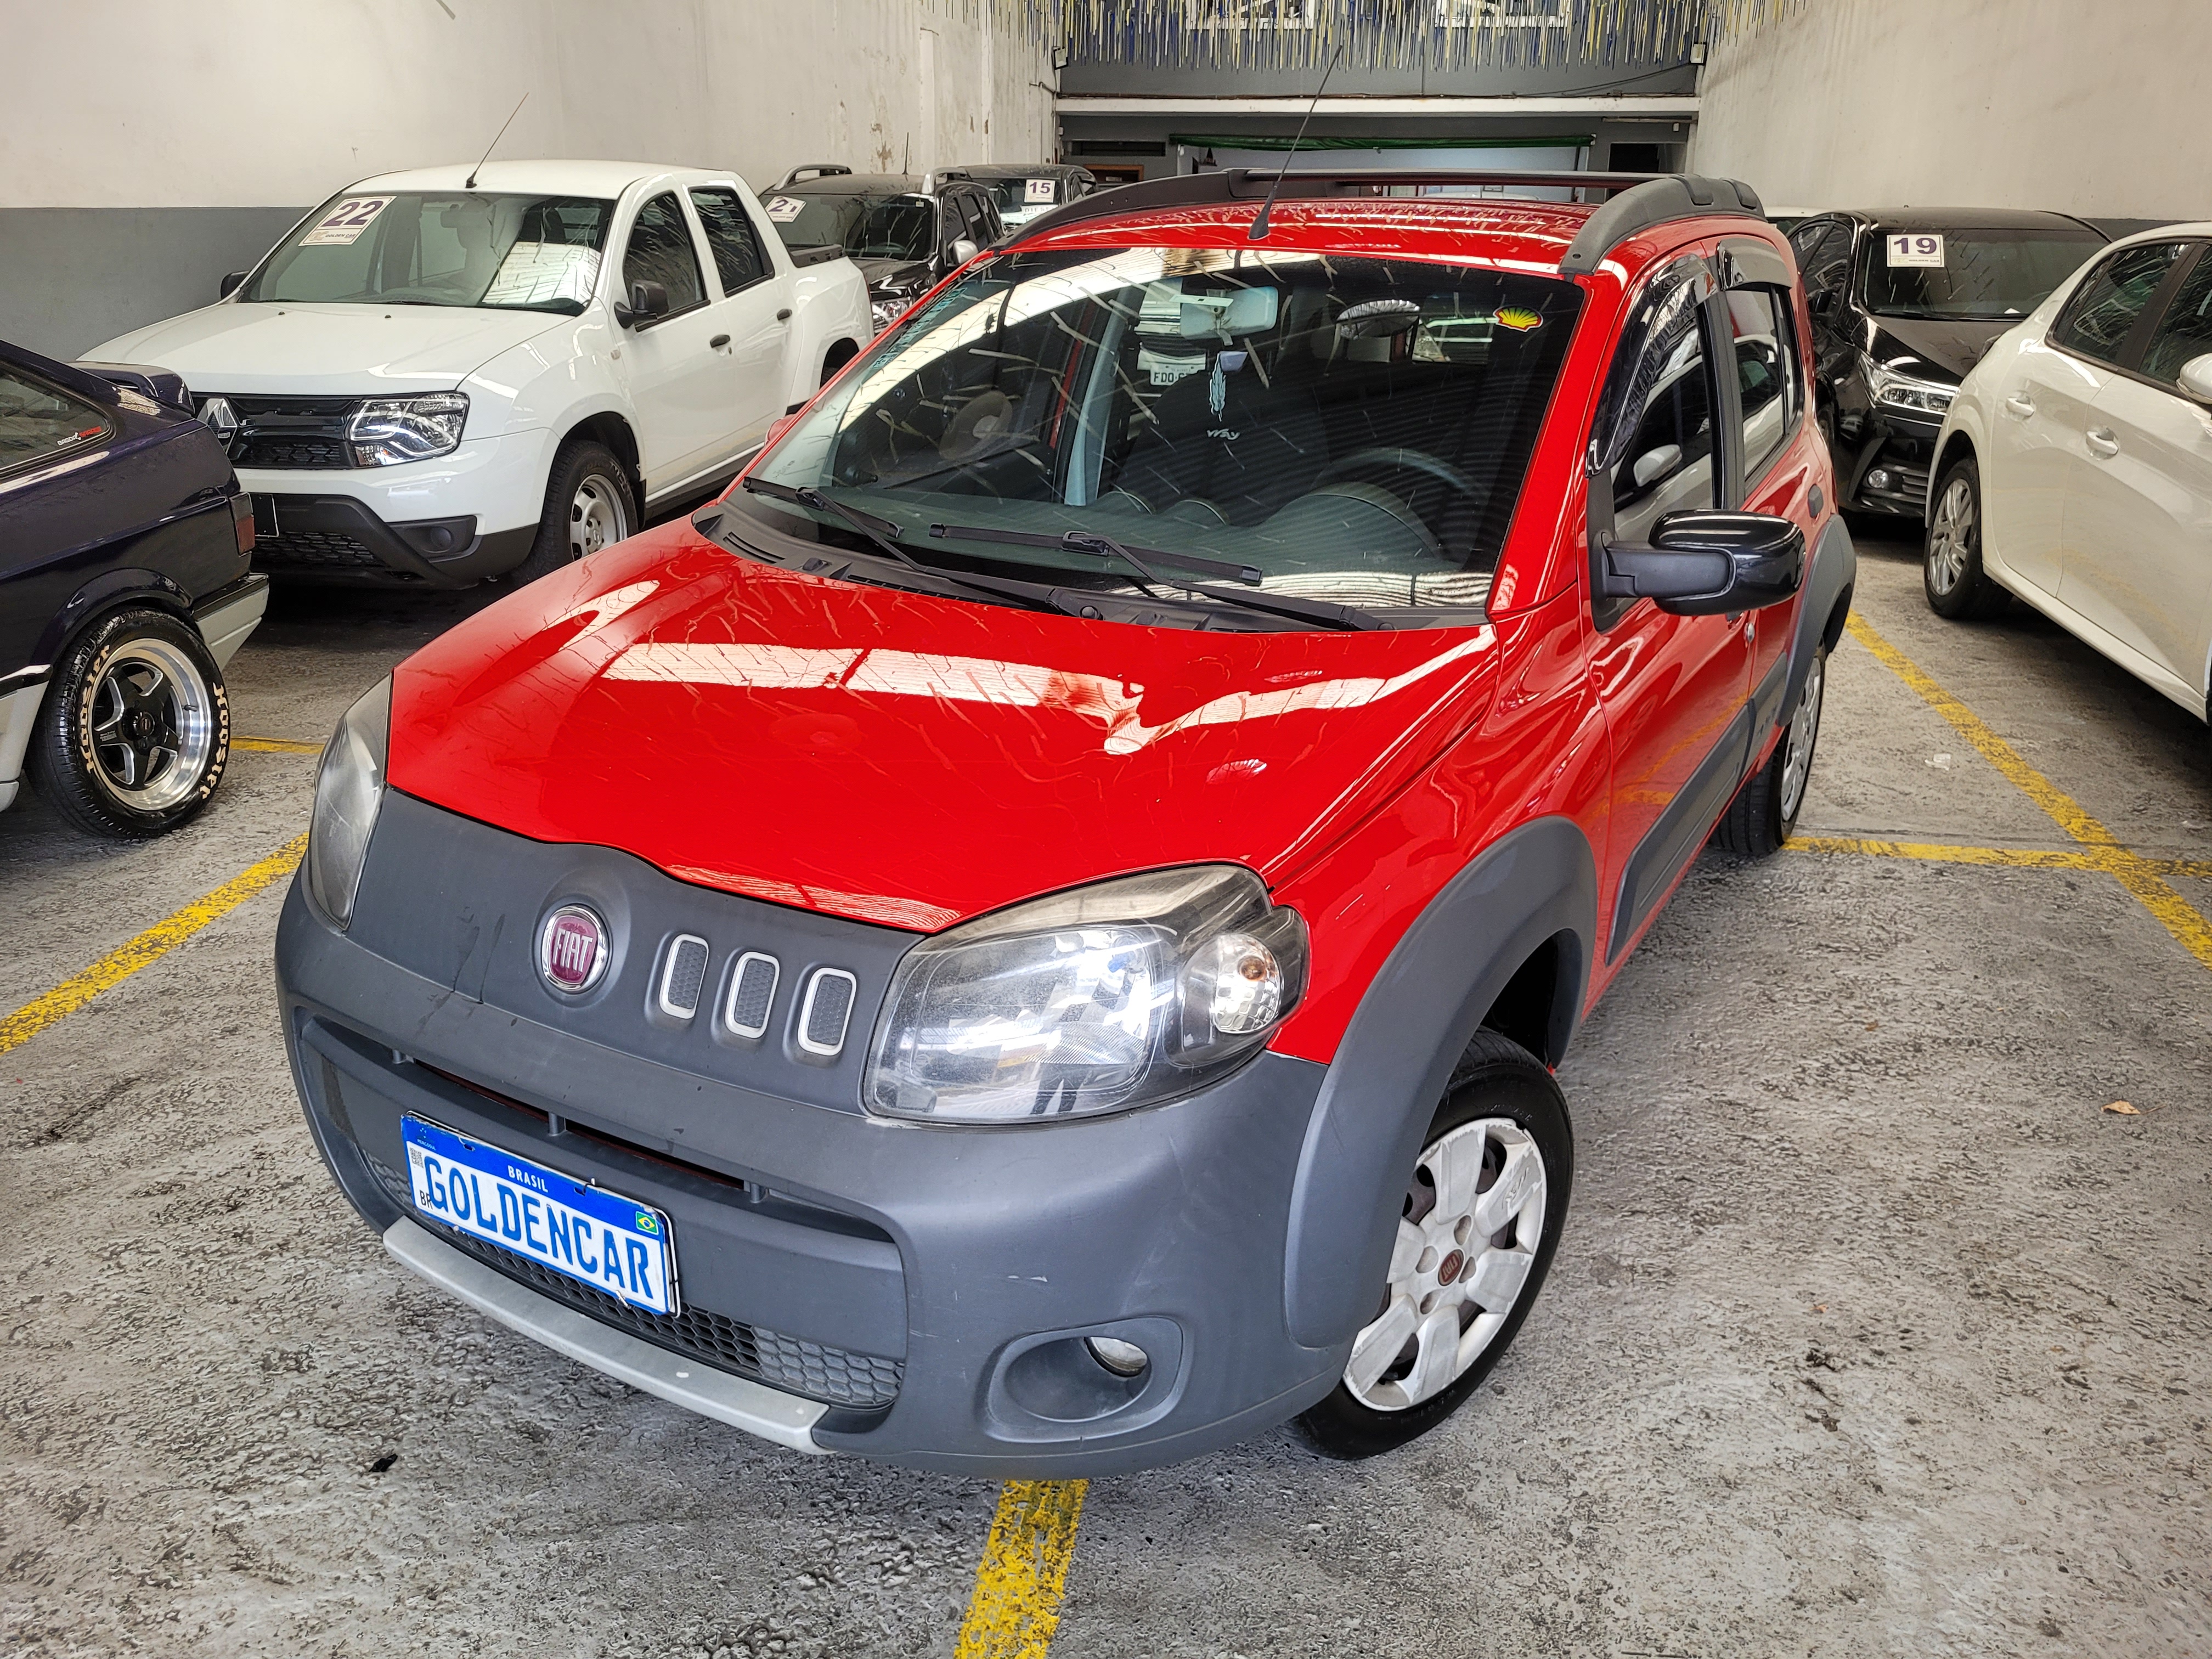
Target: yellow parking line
[
  {"x": 156, "y": 942},
  {"x": 276, "y": 746},
  {"x": 2139, "y": 875},
  {"x": 1015, "y": 1606},
  {"x": 2016, "y": 858}
]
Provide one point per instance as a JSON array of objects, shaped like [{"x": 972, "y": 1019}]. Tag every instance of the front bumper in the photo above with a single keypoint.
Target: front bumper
[
  {"x": 1885, "y": 456},
  {"x": 921, "y": 1290}
]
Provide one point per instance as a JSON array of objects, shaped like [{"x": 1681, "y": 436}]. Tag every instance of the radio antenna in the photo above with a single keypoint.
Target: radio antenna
[
  {"x": 496, "y": 137},
  {"x": 1259, "y": 231}
]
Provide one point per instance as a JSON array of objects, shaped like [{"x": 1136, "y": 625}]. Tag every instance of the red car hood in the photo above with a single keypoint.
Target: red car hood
[{"x": 902, "y": 759}]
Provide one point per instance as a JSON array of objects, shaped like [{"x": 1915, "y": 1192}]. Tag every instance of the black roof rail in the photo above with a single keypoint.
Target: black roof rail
[
  {"x": 812, "y": 170},
  {"x": 1656, "y": 197}
]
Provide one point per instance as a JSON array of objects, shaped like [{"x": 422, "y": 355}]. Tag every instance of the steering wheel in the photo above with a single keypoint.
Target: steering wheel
[{"x": 1399, "y": 461}]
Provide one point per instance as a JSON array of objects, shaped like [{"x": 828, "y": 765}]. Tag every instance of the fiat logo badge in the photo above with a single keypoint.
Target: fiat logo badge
[{"x": 572, "y": 950}]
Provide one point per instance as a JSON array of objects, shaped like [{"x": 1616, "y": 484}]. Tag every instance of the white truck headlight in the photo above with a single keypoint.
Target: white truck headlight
[
  {"x": 348, "y": 789},
  {"x": 1894, "y": 390},
  {"x": 1123, "y": 994},
  {"x": 392, "y": 431}
]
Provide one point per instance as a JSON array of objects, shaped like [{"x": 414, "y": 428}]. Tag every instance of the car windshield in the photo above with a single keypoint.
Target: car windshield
[
  {"x": 1016, "y": 199},
  {"x": 866, "y": 226},
  {"x": 1969, "y": 274},
  {"x": 512, "y": 252},
  {"x": 1353, "y": 429}
]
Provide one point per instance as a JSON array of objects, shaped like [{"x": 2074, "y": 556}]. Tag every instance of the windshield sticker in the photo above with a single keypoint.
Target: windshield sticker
[
  {"x": 1037, "y": 192},
  {"x": 1517, "y": 318},
  {"x": 537, "y": 273},
  {"x": 1915, "y": 250},
  {"x": 342, "y": 225},
  {"x": 782, "y": 209}
]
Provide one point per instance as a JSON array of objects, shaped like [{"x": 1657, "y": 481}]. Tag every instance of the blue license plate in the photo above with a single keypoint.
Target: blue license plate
[{"x": 596, "y": 1237}]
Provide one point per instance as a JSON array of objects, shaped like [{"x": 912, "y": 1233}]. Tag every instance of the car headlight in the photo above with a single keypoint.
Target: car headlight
[
  {"x": 887, "y": 308},
  {"x": 1902, "y": 392},
  {"x": 1109, "y": 996},
  {"x": 392, "y": 431},
  {"x": 348, "y": 789}
]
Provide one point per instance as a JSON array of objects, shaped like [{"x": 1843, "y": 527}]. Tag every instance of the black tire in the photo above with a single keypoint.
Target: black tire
[
  {"x": 1495, "y": 1079},
  {"x": 1762, "y": 818},
  {"x": 1951, "y": 553},
  {"x": 134, "y": 731},
  {"x": 1824, "y": 419},
  {"x": 568, "y": 531}
]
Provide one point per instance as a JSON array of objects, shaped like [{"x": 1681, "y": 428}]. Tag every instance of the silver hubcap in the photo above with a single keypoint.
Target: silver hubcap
[
  {"x": 1466, "y": 1242},
  {"x": 1804, "y": 727},
  {"x": 1950, "y": 535},
  {"x": 596, "y": 518},
  {"x": 151, "y": 722}
]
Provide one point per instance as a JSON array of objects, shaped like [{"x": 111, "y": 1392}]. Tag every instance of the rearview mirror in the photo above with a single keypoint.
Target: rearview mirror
[
  {"x": 1709, "y": 563},
  {"x": 2196, "y": 379},
  {"x": 647, "y": 301},
  {"x": 230, "y": 284},
  {"x": 962, "y": 250}
]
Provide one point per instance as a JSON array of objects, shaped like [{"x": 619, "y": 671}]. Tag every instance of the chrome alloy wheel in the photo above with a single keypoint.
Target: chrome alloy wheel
[
  {"x": 596, "y": 517},
  {"x": 1466, "y": 1242},
  {"x": 151, "y": 724},
  {"x": 1804, "y": 731},
  {"x": 1950, "y": 538}
]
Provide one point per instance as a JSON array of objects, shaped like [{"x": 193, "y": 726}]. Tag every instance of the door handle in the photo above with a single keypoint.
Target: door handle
[
  {"x": 2020, "y": 407},
  {"x": 784, "y": 315},
  {"x": 717, "y": 343},
  {"x": 2102, "y": 442}
]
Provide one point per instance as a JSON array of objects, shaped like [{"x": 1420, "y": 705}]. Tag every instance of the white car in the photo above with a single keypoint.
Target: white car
[
  {"x": 2074, "y": 469},
  {"x": 448, "y": 375}
]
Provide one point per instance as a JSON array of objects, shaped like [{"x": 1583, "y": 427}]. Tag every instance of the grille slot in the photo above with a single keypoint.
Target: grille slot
[
  {"x": 752, "y": 989},
  {"x": 813, "y": 1369},
  {"x": 319, "y": 548},
  {"x": 828, "y": 1006},
  {"x": 682, "y": 977}
]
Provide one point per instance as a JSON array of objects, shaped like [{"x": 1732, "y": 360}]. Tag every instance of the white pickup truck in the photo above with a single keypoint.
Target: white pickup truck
[{"x": 453, "y": 373}]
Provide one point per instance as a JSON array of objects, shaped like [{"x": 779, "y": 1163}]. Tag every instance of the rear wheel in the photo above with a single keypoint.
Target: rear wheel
[
  {"x": 1479, "y": 1225},
  {"x": 1763, "y": 815},
  {"x": 588, "y": 506},
  {"x": 1951, "y": 567},
  {"x": 135, "y": 730}
]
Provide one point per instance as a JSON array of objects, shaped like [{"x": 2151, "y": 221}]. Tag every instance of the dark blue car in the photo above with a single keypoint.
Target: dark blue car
[{"x": 124, "y": 544}]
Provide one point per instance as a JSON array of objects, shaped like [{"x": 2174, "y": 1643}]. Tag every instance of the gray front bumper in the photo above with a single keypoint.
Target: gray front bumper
[{"x": 974, "y": 1259}]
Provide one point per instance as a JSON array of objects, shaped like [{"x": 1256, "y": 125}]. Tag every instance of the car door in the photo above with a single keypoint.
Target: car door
[
  {"x": 2139, "y": 531},
  {"x": 752, "y": 318},
  {"x": 682, "y": 390},
  {"x": 2038, "y": 457},
  {"x": 1673, "y": 689}
]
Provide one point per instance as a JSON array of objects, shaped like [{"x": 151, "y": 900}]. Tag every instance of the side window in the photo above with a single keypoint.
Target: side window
[
  {"x": 37, "y": 422},
  {"x": 660, "y": 251},
  {"x": 1667, "y": 464},
  {"x": 979, "y": 221},
  {"x": 2106, "y": 306},
  {"x": 1766, "y": 372},
  {"x": 2186, "y": 330},
  {"x": 738, "y": 257},
  {"x": 1829, "y": 262},
  {"x": 950, "y": 225}
]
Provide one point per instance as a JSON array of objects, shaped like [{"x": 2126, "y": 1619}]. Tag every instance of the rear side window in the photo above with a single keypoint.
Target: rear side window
[
  {"x": 2106, "y": 306},
  {"x": 2186, "y": 330},
  {"x": 660, "y": 251},
  {"x": 1766, "y": 372},
  {"x": 1825, "y": 259},
  {"x": 738, "y": 257},
  {"x": 36, "y": 421}
]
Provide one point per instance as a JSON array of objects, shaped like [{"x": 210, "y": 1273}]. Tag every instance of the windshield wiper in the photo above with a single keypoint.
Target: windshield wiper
[
  {"x": 1320, "y": 611},
  {"x": 879, "y": 531}
]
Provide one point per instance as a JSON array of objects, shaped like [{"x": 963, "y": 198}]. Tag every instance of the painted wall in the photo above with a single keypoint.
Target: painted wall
[
  {"x": 2090, "y": 110},
  {"x": 147, "y": 150}
]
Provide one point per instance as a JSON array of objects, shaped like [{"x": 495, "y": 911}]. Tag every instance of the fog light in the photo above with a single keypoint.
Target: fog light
[
  {"x": 1880, "y": 478},
  {"x": 1123, "y": 1358}
]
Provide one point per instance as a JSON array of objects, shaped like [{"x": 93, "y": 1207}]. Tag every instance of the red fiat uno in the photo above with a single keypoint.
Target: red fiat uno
[{"x": 1031, "y": 937}]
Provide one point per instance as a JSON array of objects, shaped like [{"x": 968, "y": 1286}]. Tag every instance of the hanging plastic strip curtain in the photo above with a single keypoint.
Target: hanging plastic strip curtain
[{"x": 1289, "y": 35}]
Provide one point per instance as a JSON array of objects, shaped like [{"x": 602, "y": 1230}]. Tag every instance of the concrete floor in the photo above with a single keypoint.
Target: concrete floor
[{"x": 1871, "y": 1332}]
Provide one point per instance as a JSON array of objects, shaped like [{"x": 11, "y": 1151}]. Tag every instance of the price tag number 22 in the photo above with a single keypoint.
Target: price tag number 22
[{"x": 1915, "y": 250}]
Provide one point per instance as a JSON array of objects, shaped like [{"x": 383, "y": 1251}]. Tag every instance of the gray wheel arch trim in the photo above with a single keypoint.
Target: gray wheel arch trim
[
  {"x": 1833, "y": 576},
  {"x": 1412, "y": 1026}
]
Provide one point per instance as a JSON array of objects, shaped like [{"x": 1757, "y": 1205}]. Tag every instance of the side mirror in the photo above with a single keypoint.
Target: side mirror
[
  {"x": 2196, "y": 379},
  {"x": 1656, "y": 464},
  {"x": 647, "y": 301},
  {"x": 1820, "y": 304},
  {"x": 230, "y": 284},
  {"x": 1709, "y": 563},
  {"x": 963, "y": 250}
]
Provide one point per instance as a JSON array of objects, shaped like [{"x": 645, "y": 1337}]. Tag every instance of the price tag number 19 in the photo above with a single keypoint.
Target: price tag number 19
[{"x": 1915, "y": 250}]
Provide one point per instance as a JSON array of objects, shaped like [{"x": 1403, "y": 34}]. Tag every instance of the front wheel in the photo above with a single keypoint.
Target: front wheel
[
  {"x": 588, "y": 506},
  {"x": 135, "y": 730},
  {"x": 1763, "y": 815},
  {"x": 1479, "y": 1225},
  {"x": 1951, "y": 565}
]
